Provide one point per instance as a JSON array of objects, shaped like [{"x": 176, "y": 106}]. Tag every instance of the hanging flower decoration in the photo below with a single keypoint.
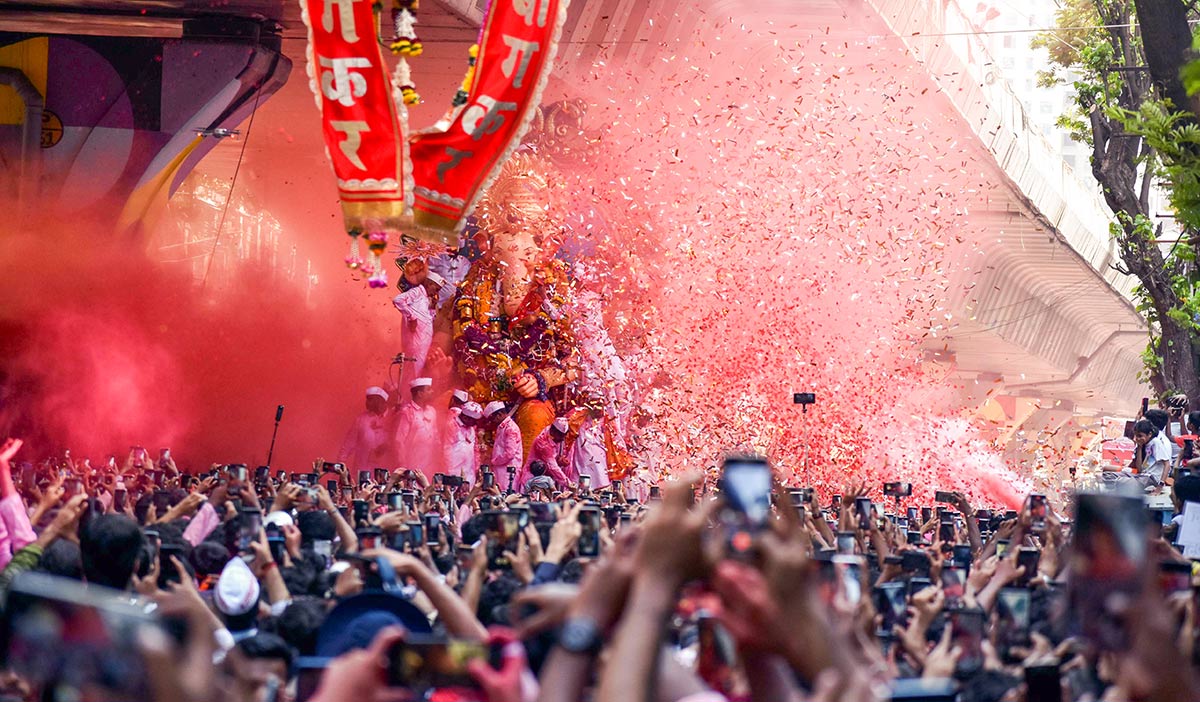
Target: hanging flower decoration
[
  {"x": 354, "y": 261},
  {"x": 406, "y": 42},
  {"x": 460, "y": 98},
  {"x": 377, "y": 245}
]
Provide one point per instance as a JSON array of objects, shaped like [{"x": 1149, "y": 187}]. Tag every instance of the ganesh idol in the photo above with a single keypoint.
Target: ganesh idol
[{"x": 505, "y": 336}]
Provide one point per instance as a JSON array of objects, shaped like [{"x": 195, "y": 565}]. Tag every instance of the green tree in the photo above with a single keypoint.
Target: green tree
[{"x": 1130, "y": 63}]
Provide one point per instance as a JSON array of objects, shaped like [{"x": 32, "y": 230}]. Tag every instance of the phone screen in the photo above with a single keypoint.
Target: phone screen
[
  {"x": 395, "y": 501},
  {"x": 503, "y": 531},
  {"x": 589, "y": 537},
  {"x": 248, "y": 528},
  {"x": 1043, "y": 683},
  {"x": 845, "y": 542},
  {"x": 954, "y": 584},
  {"x": 849, "y": 571},
  {"x": 1037, "y": 511},
  {"x": 746, "y": 487},
  {"x": 489, "y": 481},
  {"x": 966, "y": 632},
  {"x": 425, "y": 662},
  {"x": 1012, "y": 619},
  {"x": 892, "y": 605}
]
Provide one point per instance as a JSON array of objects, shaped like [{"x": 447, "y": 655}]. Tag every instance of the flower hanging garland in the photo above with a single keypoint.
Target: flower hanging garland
[{"x": 406, "y": 45}]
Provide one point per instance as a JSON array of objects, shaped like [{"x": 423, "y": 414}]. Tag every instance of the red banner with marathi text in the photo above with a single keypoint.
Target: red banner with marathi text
[
  {"x": 359, "y": 120},
  {"x": 453, "y": 166}
]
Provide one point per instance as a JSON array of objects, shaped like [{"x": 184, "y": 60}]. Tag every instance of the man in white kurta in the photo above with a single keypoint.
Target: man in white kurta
[
  {"x": 417, "y": 333},
  {"x": 368, "y": 441},
  {"x": 588, "y": 454},
  {"x": 460, "y": 450},
  {"x": 507, "y": 449},
  {"x": 418, "y": 437}
]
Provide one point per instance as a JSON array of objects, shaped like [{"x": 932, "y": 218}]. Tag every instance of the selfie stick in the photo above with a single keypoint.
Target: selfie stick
[{"x": 278, "y": 417}]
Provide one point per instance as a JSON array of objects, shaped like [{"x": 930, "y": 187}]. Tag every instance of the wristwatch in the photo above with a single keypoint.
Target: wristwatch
[{"x": 581, "y": 635}]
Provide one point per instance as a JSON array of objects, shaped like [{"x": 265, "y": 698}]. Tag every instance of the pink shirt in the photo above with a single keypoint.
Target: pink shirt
[
  {"x": 15, "y": 530},
  {"x": 546, "y": 450},
  {"x": 418, "y": 331},
  {"x": 589, "y": 455},
  {"x": 506, "y": 448}
]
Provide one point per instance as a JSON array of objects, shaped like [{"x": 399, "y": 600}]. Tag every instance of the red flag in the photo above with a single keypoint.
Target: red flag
[{"x": 454, "y": 163}]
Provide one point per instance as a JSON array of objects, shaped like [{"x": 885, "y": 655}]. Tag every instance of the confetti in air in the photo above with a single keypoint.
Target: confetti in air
[{"x": 766, "y": 217}]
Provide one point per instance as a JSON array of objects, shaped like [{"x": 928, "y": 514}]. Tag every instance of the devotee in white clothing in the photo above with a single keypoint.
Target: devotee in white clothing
[
  {"x": 367, "y": 442},
  {"x": 506, "y": 441},
  {"x": 418, "y": 440},
  {"x": 417, "y": 335},
  {"x": 588, "y": 454},
  {"x": 460, "y": 452}
]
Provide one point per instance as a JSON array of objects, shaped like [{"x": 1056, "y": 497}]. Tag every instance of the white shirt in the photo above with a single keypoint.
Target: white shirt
[
  {"x": 1157, "y": 449},
  {"x": 417, "y": 438},
  {"x": 418, "y": 331},
  {"x": 459, "y": 449}
]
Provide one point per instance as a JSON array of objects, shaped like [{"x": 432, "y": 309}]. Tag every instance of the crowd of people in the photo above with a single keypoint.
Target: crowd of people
[{"x": 138, "y": 580}]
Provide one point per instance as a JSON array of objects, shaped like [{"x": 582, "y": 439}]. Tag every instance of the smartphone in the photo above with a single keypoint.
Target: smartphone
[
  {"x": 912, "y": 538},
  {"x": 452, "y": 481},
  {"x": 1001, "y": 547},
  {"x": 800, "y": 496},
  {"x": 862, "y": 506},
  {"x": 849, "y": 570},
  {"x": 892, "y": 604},
  {"x": 916, "y": 562},
  {"x": 913, "y": 515},
  {"x": 77, "y": 641},
  {"x": 846, "y": 542},
  {"x": 488, "y": 481},
  {"x": 249, "y": 524},
  {"x": 745, "y": 484},
  {"x": 946, "y": 533},
  {"x": 503, "y": 534},
  {"x": 943, "y": 496},
  {"x": 278, "y": 546},
  {"x": 167, "y": 572},
  {"x": 364, "y": 477},
  {"x": 589, "y": 537},
  {"x": 897, "y": 489},
  {"x": 416, "y": 534},
  {"x": 395, "y": 501},
  {"x": 331, "y": 487},
  {"x": 954, "y": 584},
  {"x": 1028, "y": 558},
  {"x": 916, "y": 585},
  {"x": 1043, "y": 683},
  {"x": 1037, "y": 512},
  {"x": 119, "y": 497},
  {"x": 1012, "y": 620},
  {"x": 362, "y": 512},
  {"x": 237, "y": 471},
  {"x": 962, "y": 556},
  {"x": 261, "y": 474},
  {"x": 655, "y": 492},
  {"x": 433, "y": 524},
  {"x": 423, "y": 662},
  {"x": 926, "y": 515},
  {"x": 585, "y": 483},
  {"x": 966, "y": 632},
  {"x": 381, "y": 476},
  {"x": 1104, "y": 577}
]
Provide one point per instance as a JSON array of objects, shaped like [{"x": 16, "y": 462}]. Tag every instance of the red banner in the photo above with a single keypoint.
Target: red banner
[
  {"x": 453, "y": 166},
  {"x": 353, "y": 88}
]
